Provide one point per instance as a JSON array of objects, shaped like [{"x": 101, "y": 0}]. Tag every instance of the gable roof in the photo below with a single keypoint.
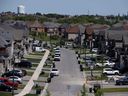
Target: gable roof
[
  {"x": 35, "y": 24},
  {"x": 51, "y": 25},
  {"x": 89, "y": 30},
  {"x": 73, "y": 29},
  {"x": 9, "y": 33},
  {"x": 3, "y": 42},
  {"x": 116, "y": 34}
]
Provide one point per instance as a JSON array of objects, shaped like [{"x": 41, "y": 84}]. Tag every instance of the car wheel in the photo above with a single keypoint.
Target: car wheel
[
  {"x": 107, "y": 65},
  {"x": 97, "y": 66},
  {"x": 104, "y": 74},
  {"x": 120, "y": 83},
  {"x": 116, "y": 73},
  {"x": 24, "y": 72},
  {"x": 18, "y": 82},
  {"x": 7, "y": 90}
]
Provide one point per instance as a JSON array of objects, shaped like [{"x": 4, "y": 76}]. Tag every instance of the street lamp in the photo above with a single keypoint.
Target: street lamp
[
  {"x": 91, "y": 68},
  {"x": 68, "y": 86}
]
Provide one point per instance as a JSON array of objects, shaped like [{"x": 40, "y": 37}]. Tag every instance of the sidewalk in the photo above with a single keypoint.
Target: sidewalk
[
  {"x": 35, "y": 76},
  {"x": 88, "y": 86}
]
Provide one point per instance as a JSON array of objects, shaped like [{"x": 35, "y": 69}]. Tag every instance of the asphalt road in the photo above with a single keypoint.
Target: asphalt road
[{"x": 69, "y": 82}]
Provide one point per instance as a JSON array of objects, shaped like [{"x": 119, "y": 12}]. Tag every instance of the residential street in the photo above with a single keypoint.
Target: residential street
[{"x": 69, "y": 81}]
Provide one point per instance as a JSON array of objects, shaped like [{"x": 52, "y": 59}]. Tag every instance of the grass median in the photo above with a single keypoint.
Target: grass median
[{"x": 109, "y": 90}]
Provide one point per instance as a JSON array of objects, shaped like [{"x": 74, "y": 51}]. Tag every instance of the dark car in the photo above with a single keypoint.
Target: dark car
[
  {"x": 122, "y": 81},
  {"x": 24, "y": 63},
  {"x": 4, "y": 87},
  {"x": 11, "y": 73}
]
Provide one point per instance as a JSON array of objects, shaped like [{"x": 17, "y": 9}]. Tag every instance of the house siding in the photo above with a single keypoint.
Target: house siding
[{"x": 72, "y": 36}]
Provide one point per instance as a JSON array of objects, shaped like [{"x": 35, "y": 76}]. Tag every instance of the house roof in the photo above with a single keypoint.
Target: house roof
[
  {"x": 125, "y": 39},
  {"x": 100, "y": 27},
  {"x": 51, "y": 25},
  {"x": 65, "y": 25},
  {"x": 3, "y": 42},
  {"x": 115, "y": 34},
  {"x": 82, "y": 29},
  {"x": 89, "y": 30},
  {"x": 73, "y": 29},
  {"x": 10, "y": 33},
  {"x": 35, "y": 24}
]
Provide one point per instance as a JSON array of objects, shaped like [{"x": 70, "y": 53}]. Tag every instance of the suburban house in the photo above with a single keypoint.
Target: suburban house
[
  {"x": 62, "y": 30},
  {"x": 76, "y": 33},
  {"x": 35, "y": 26},
  {"x": 51, "y": 28},
  {"x": 73, "y": 32},
  {"x": 10, "y": 37}
]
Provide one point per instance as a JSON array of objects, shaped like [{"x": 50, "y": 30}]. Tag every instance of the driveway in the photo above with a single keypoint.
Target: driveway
[{"x": 69, "y": 82}]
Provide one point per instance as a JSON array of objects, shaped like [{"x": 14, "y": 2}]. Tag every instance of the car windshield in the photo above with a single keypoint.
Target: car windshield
[{"x": 54, "y": 70}]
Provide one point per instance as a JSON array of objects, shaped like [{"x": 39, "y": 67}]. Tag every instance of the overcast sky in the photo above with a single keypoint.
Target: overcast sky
[{"x": 69, "y": 7}]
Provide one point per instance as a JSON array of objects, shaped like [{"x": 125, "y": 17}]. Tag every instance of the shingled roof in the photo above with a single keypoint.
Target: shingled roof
[
  {"x": 3, "y": 42},
  {"x": 9, "y": 33},
  {"x": 73, "y": 29}
]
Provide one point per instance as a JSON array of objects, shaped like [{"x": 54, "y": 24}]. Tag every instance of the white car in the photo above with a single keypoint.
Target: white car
[
  {"x": 39, "y": 49},
  {"x": 105, "y": 63},
  {"x": 55, "y": 71},
  {"x": 95, "y": 50},
  {"x": 110, "y": 71},
  {"x": 57, "y": 58},
  {"x": 16, "y": 79}
]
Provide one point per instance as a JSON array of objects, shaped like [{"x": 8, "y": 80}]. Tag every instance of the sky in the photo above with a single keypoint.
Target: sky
[{"x": 68, "y": 7}]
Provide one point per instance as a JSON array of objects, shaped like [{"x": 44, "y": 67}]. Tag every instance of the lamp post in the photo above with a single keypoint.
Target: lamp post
[
  {"x": 91, "y": 68},
  {"x": 13, "y": 61},
  {"x": 68, "y": 86}
]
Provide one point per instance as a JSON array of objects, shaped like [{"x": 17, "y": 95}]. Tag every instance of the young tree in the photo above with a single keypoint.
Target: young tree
[
  {"x": 84, "y": 91},
  {"x": 99, "y": 93},
  {"x": 48, "y": 93}
]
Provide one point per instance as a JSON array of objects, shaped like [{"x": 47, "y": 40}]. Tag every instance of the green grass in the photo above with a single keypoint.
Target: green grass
[
  {"x": 47, "y": 66},
  {"x": 31, "y": 95},
  {"x": 45, "y": 69},
  {"x": 5, "y": 94},
  {"x": 97, "y": 78},
  {"x": 95, "y": 69},
  {"x": 44, "y": 75},
  {"x": 34, "y": 65},
  {"x": 40, "y": 87},
  {"x": 34, "y": 60},
  {"x": 21, "y": 86},
  {"x": 29, "y": 73},
  {"x": 115, "y": 89},
  {"x": 37, "y": 53}
]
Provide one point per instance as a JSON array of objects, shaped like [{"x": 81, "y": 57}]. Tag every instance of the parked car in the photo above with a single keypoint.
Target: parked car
[
  {"x": 58, "y": 53},
  {"x": 11, "y": 73},
  {"x": 55, "y": 71},
  {"x": 122, "y": 81},
  {"x": 57, "y": 58},
  {"x": 105, "y": 63},
  {"x": 57, "y": 50},
  {"x": 17, "y": 71},
  {"x": 4, "y": 87},
  {"x": 95, "y": 50},
  {"x": 7, "y": 82},
  {"x": 110, "y": 71},
  {"x": 24, "y": 63},
  {"x": 39, "y": 49},
  {"x": 16, "y": 79}
]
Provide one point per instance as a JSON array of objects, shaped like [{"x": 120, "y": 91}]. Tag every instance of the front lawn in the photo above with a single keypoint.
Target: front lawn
[
  {"x": 95, "y": 69},
  {"x": 115, "y": 89},
  {"x": 5, "y": 93}
]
